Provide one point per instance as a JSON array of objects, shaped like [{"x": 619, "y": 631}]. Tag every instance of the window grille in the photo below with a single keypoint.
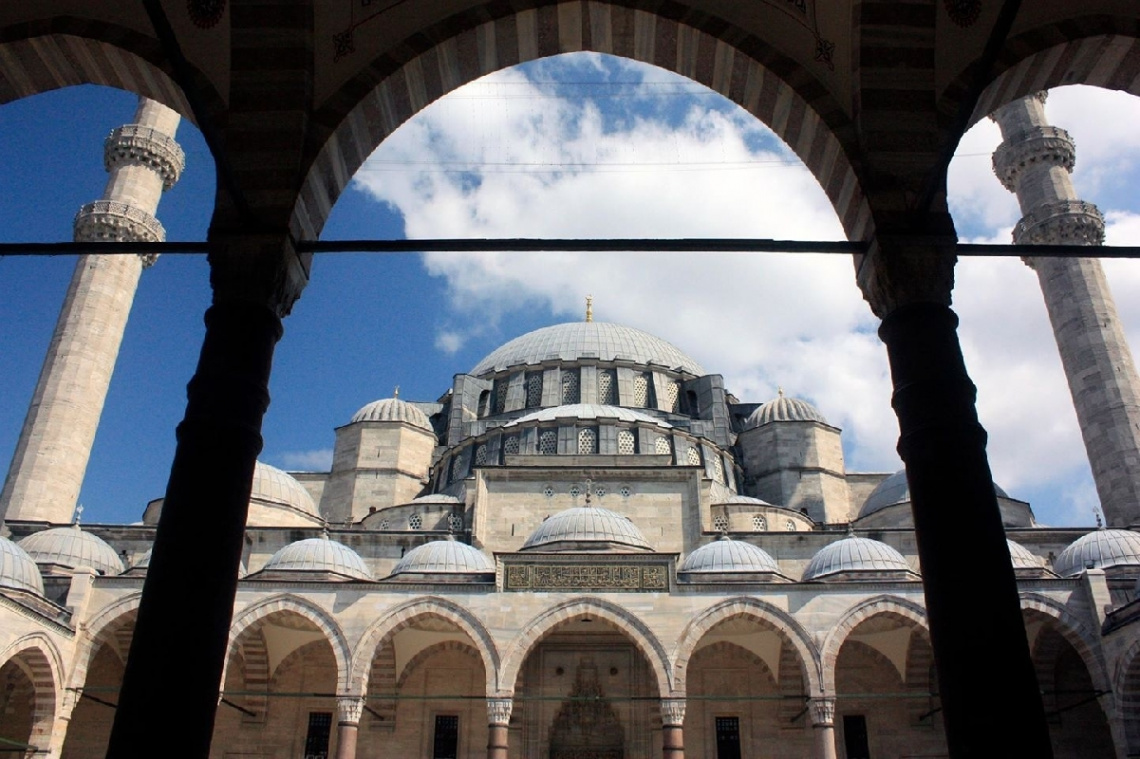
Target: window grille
[
  {"x": 600, "y": 491},
  {"x": 548, "y": 442},
  {"x": 415, "y": 522},
  {"x": 575, "y": 491},
  {"x": 533, "y": 389},
  {"x": 673, "y": 397},
  {"x": 727, "y": 738},
  {"x": 627, "y": 442},
  {"x": 693, "y": 456},
  {"x": 587, "y": 440},
  {"x": 790, "y": 526},
  {"x": 455, "y": 522},
  {"x": 511, "y": 444},
  {"x": 445, "y": 743},
  {"x": 481, "y": 455},
  {"x": 383, "y": 524},
  {"x": 626, "y": 491},
  {"x": 548, "y": 491},
  {"x": 759, "y": 523},
  {"x": 641, "y": 390},
  {"x": 718, "y": 469},
  {"x": 500, "y": 396},
  {"x": 317, "y": 738},
  {"x": 720, "y": 523},
  {"x": 661, "y": 446},
  {"x": 571, "y": 390},
  {"x": 607, "y": 387}
]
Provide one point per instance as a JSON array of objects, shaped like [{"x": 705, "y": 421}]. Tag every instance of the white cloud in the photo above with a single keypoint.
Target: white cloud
[
  {"x": 534, "y": 165},
  {"x": 319, "y": 460},
  {"x": 449, "y": 341}
]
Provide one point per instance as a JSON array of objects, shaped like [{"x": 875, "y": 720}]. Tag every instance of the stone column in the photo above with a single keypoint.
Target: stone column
[
  {"x": 51, "y": 455},
  {"x": 823, "y": 726},
  {"x": 673, "y": 728},
  {"x": 986, "y": 679},
  {"x": 349, "y": 711},
  {"x": 498, "y": 721},
  {"x": 1035, "y": 161}
]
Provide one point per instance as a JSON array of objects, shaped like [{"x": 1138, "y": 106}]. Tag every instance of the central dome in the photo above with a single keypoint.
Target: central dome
[{"x": 578, "y": 340}]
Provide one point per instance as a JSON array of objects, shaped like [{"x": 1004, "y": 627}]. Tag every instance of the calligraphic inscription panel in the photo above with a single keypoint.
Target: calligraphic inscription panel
[{"x": 611, "y": 577}]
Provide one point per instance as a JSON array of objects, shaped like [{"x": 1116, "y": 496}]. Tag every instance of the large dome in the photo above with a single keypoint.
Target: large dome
[
  {"x": 279, "y": 488},
  {"x": 18, "y": 570},
  {"x": 143, "y": 563},
  {"x": 727, "y": 555},
  {"x": 71, "y": 547},
  {"x": 444, "y": 557},
  {"x": 895, "y": 490},
  {"x": 393, "y": 410},
  {"x": 587, "y": 340},
  {"x": 584, "y": 525},
  {"x": 319, "y": 555},
  {"x": 1099, "y": 550},
  {"x": 854, "y": 554}
]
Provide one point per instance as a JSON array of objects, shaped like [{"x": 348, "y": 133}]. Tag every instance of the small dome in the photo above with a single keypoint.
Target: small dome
[
  {"x": 440, "y": 498},
  {"x": 143, "y": 562},
  {"x": 71, "y": 547},
  {"x": 1100, "y": 549},
  {"x": 743, "y": 500},
  {"x": 319, "y": 555},
  {"x": 587, "y": 524},
  {"x": 1022, "y": 557},
  {"x": 18, "y": 570},
  {"x": 591, "y": 411},
  {"x": 393, "y": 410},
  {"x": 783, "y": 409},
  {"x": 444, "y": 557},
  {"x": 274, "y": 486},
  {"x": 895, "y": 490},
  {"x": 597, "y": 341},
  {"x": 727, "y": 555},
  {"x": 854, "y": 554}
]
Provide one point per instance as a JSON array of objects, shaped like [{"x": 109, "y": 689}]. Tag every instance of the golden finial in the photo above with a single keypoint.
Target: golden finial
[
  {"x": 396, "y": 392},
  {"x": 780, "y": 392},
  {"x": 589, "y": 308}
]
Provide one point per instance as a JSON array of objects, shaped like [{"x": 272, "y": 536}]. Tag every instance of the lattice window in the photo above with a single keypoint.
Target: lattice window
[
  {"x": 571, "y": 388},
  {"x": 548, "y": 442},
  {"x": 588, "y": 440},
  {"x": 415, "y": 522},
  {"x": 383, "y": 524},
  {"x": 607, "y": 387},
  {"x": 500, "y": 404},
  {"x": 511, "y": 444},
  {"x": 548, "y": 491},
  {"x": 455, "y": 522},
  {"x": 641, "y": 390},
  {"x": 673, "y": 397},
  {"x": 759, "y": 523},
  {"x": 790, "y": 526},
  {"x": 718, "y": 469},
  {"x": 627, "y": 442},
  {"x": 533, "y": 389},
  {"x": 692, "y": 456},
  {"x": 575, "y": 491},
  {"x": 661, "y": 446},
  {"x": 480, "y": 455},
  {"x": 600, "y": 492},
  {"x": 720, "y": 523}
]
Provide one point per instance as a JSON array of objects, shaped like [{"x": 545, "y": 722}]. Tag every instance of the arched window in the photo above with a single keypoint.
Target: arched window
[
  {"x": 587, "y": 440},
  {"x": 481, "y": 455},
  {"x": 627, "y": 442},
  {"x": 673, "y": 396},
  {"x": 662, "y": 446},
  {"x": 548, "y": 442},
  {"x": 511, "y": 444},
  {"x": 607, "y": 387},
  {"x": 533, "y": 389},
  {"x": 415, "y": 522},
  {"x": 759, "y": 524},
  {"x": 484, "y": 403},
  {"x": 571, "y": 389},
  {"x": 720, "y": 523},
  {"x": 641, "y": 387},
  {"x": 500, "y": 403},
  {"x": 692, "y": 456},
  {"x": 718, "y": 469}
]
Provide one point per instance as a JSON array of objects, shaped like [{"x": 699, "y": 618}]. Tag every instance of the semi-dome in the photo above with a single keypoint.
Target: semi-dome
[
  {"x": 319, "y": 555},
  {"x": 1022, "y": 557},
  {"x": 444, "y": 557},
  {"x": 18, "y": 570},
  {"x": 71, "y": 547},
  {"x": 588, "y": 411},
  {"x": 1100, "y": 549},
  {"x": 393, "y": 410},
  {"x": 895, "y": 490},
  {"x": 585, "y": 525},
  {"x": 727, "y": 555},
  {"x": 437, "y": 498},
  {"x": 599, "y": 341},
  {"x": 783, "y": 409},
  {"x": 143, "y": 563},
  {"x": 854, "y": 554},
  {"x": 276, "y": 487}
]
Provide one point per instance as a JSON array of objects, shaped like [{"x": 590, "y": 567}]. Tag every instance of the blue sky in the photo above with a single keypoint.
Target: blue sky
[{"x": 577, "y": 146}]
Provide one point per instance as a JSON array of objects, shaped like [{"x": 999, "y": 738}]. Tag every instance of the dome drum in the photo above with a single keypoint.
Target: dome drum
[
  {"x": 743, "y": 514},
  {"x": 417, "y": 516}
]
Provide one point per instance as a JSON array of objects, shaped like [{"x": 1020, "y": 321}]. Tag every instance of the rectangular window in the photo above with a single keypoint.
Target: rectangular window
[
  {"x": 855, "y": 736},
  {"x": 500, "y": 401},
  {"x": 317, "y": 739},
  {"x": 727, "y": 738},
  {"x": 570, "y": 387},
  {"x": 533, "y": 389},
  {"x": 445, "y": 745}
]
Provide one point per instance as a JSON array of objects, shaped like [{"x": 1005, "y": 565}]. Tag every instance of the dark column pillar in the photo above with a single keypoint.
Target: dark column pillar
[
  {"x": 171, "y": 684},
  {"x": 498, "y": 731},
  {"x": 672, "y": 728}
]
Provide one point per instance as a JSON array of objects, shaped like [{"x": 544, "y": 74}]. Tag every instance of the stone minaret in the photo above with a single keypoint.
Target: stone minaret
[
  {"x": 1035, "y": 161},
  {"x": 47, "y": 469}
]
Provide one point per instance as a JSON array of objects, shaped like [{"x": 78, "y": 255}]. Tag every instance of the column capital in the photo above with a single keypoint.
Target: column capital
[
  {"x": 349, "y": 709},
  {"x": 499, "y": 710},
  {"x": 263, "y": 268},
  {"x": 822, "y": 711},
  {"x": 909, "y": 262},
  {"x": 673, "y": 710}
]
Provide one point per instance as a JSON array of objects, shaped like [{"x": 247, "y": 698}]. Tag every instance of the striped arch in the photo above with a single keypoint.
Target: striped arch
[
  {"x": 322, "y": 620},
  {"x": 1099, "y": 51},
  {"x": 780, "y": 91},
  {"x": 430, "y": 651},
  {"x": 404, "y": 615},
  {"x": 856, "y": 616},
  {"x": 1075, "y": 631},
  {"x": 1126, "y": 682},
  {"x": 39, "y": 659},
  {"x": 777, "y": 619},
  {"x": 104, "y": 628},
  {"x": 626, "y": 623}
]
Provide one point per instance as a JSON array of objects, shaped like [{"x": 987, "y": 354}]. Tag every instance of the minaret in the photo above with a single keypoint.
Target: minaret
[
  {"x": 51, "y": 456},
  {"x": 1035, "y": 161}
]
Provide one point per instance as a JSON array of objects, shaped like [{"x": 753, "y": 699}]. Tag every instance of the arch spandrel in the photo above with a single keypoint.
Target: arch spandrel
[
  {"x": 621, "y": 619},
  {"x": 315, "y": 615},
  {"x": 872, "y": 607},
  {"x": 795, "y": 103},
  {"x": 393, "y": 620},
  {"x": 772, "y": 617}
]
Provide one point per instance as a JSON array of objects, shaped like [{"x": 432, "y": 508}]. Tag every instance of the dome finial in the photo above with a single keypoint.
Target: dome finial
[
  {"x": 79, "y": 515},
  {"x": 589, "y": 308},
  {"x": 396, "y": 392},
  {"x": 780, "y": 391},
  {"x": 589, "y": 490},
  {"x": 1099, "y": 518}
]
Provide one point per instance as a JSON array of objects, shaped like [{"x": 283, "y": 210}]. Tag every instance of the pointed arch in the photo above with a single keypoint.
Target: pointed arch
[
  {"x": 101, "y": 629},
  {"x": 1075, "y": 631},
  {"x": 859, "y": 614},
  {"x": 777, "y": 619},
  {"x": 625, "y": 621},
  {"x": 432, "y": 650},
  {"x": 39, "y": 659},
  {"x": 320, "y": 618},
  {"x": 403, "y": 615}
]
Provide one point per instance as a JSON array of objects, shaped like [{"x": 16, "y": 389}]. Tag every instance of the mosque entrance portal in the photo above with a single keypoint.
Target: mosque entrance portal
[{"x": 586, "y": 726}]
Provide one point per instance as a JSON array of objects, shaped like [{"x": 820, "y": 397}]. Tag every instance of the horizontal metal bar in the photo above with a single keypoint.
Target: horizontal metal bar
[{"x": 524, "y": 245}]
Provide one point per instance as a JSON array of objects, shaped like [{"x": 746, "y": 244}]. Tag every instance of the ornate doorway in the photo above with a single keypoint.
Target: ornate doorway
[{"x": 586, "y": 725}]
